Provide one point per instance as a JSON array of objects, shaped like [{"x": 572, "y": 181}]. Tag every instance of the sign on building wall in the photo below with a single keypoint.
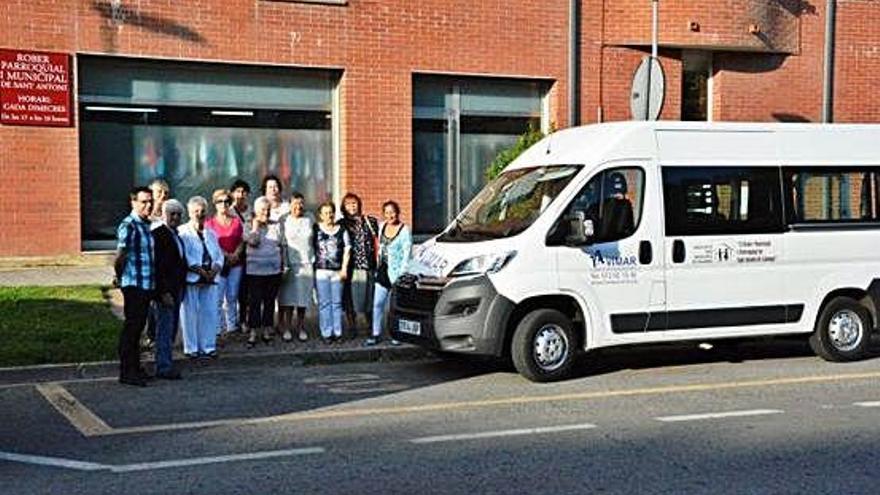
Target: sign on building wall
[{"x": 34, "y": 88}]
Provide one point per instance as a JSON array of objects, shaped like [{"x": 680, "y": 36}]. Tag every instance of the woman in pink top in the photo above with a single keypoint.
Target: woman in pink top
[{"x": 229, "y": 231}]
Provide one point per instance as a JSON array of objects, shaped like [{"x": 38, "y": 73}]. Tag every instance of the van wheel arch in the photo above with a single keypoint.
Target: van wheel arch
[
  {"x": 565, "y": 304},
  {"x": 870, "y": 299}
]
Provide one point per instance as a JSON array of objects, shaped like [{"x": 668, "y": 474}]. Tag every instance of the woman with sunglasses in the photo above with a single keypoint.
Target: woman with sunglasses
[{"x": 229, "y": 231}]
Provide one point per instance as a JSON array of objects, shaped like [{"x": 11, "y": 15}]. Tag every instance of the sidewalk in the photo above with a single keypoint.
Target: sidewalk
[{"x": 233, "y": 351}]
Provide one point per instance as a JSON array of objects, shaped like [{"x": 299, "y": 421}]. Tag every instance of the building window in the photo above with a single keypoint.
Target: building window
[
  {"x": 198, "y": 126},
  {"x": 459, "y": 125},
  {"x": 696, "y": 85}
]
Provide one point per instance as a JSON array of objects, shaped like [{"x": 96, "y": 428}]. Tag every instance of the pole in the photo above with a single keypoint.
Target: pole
[
  {"x": 654, "y": 28},
  {"x": 573, "y": 59},
  {"x": 828, "y": 79}
]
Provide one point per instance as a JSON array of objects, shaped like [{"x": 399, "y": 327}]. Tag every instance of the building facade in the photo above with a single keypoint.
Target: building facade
[{"x": 398, "y": 99}]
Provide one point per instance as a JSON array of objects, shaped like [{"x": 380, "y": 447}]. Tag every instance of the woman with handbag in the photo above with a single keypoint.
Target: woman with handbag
[
  {"x": 265, "y": 258},
  {"x": 395, "y": 244},
  {"x": 204, "y": 260}
]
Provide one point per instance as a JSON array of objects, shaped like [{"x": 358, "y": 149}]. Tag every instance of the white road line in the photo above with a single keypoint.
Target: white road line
[
  {"x": 198, "y": 461},
  {"x": 717, "y": 415},
  {"x": 875, "y": 403},
  {"x": 150, "y": 466},
  {"x": 502, "y": 433},
  {"x": 81, "y": 417},
  {"x": 51, "y": 461}
]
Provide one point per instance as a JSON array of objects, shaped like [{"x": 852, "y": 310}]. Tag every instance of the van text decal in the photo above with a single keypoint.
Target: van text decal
[
  {"x": 612, "y": 267},
  {"x": 734, "y": 252}
]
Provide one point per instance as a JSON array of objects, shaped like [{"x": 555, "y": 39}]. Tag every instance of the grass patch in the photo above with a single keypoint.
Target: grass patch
[{"x": 40, "y": 325}]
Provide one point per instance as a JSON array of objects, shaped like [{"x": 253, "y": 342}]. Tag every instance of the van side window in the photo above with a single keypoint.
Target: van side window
[
  {"x": 612, "y": 199},
  {"x": 840, "y": 195},
  {"x": 722, "y": 200}
]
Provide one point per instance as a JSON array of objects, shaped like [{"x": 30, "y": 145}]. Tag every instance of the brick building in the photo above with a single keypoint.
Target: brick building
[{"x": 395, "y": 99}]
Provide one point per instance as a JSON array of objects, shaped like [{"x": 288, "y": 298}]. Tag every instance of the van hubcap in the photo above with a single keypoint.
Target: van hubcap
[
  {"x": 551, "y": 347},
  {"x": 845, "y": 330}
]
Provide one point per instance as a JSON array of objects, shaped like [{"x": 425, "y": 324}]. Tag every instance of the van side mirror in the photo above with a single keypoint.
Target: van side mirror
[{"x": 580, "y": 229}]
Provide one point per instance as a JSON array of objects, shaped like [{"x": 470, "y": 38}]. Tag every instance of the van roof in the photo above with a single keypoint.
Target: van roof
[{"x": 724, "y": 143}]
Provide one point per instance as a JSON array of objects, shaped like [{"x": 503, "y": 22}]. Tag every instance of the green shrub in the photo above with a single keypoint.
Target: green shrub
[{"x": 503, "y": 159}]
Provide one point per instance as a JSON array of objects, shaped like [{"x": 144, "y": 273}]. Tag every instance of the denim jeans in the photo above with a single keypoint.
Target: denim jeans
[
  {"x": 329, "y": 287},
  {"x": 380, "y": 299},
  {"x": 228, "y": 287},
  {"x": 167, "y": 320}
]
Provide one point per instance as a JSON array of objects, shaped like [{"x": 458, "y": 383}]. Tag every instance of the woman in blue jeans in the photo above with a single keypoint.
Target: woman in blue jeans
[
  {"x": 332, "y": 248},
  {"x": 395, "y": 244}
]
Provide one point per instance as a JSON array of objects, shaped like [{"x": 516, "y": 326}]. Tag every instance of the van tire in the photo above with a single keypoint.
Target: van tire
[
  {"x": 843, "y": 330},
  {"x": 544, "y": 346}
]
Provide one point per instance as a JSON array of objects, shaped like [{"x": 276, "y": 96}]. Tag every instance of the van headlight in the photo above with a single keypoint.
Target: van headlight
[{"x": 487, "y": 263}]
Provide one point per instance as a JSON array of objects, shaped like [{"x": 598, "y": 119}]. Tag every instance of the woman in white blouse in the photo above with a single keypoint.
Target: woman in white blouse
[
  {"x": 199, "y": 314},
  {"x": 299, "y": 278}
]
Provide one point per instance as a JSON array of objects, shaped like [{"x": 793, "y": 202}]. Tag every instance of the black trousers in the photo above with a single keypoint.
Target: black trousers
[
  {"x": 262, "y": 291},
  {"x": 137, "y": 304}
]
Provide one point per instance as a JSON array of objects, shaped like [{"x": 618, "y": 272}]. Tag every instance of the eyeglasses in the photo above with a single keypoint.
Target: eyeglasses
[{"x": 225, "y": 201}]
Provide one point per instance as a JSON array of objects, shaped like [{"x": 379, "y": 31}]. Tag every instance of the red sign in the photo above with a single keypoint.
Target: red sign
[{"x": 34, "y": 88}]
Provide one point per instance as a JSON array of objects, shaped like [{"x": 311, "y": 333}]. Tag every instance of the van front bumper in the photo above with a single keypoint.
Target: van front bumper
[{"x": 457, "y": 315}]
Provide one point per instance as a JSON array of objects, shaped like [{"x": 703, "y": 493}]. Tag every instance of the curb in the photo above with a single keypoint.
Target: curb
[{"x": 102, "y": 369}]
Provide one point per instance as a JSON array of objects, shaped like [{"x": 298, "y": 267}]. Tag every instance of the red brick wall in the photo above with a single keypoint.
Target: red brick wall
[{"x": 380, "y": 44}]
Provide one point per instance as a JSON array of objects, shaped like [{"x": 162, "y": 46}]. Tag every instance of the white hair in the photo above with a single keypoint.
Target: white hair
[
  {"x": 197, "y": 200},
  {"x": 261, "y": 202},
  {"x": 171, "y": 206}
]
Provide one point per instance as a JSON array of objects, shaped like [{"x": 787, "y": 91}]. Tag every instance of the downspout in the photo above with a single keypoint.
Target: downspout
[
  {"x": 828, "y": 79},
  {"x": 573, "y": 63}
]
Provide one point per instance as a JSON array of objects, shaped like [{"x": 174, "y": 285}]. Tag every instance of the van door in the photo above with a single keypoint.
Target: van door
[
  {"x": 723, "y": 250},
  {"x": 618, "y": 271}
]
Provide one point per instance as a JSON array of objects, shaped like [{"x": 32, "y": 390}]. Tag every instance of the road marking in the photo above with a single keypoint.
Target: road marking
[
  {"x": 717, "y": 415},
  {"x": 51, "y": 461},
  {"x": 329, "y": 413},
  {"x": 502, "y": 433},
  {"x": 151, "y": 466},
  {"x": 81, "y": 417},
  {"x": 867, "y": 404},
  {"x": 198, "y": 461}
]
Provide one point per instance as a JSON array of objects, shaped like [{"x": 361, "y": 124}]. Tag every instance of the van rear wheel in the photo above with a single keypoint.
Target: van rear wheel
[
  {"x": 544, "y": 346},
  {"x": 842, "y": 331}
]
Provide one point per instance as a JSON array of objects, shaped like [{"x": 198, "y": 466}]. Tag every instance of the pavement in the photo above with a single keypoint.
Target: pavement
[{"x": 232, "y": 348}]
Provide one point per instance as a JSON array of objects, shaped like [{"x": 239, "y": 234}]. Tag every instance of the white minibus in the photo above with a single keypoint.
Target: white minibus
[{"x": 646, "y": 232}]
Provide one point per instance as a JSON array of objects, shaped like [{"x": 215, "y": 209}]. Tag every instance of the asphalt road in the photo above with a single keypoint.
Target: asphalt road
[{"x": 756, "y": 418}]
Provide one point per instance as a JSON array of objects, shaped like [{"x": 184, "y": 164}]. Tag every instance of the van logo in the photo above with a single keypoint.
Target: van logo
[{"x": 612, "y": 267}]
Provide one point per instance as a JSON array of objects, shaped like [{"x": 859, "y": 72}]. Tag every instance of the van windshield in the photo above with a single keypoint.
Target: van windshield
[{"x": 510, "y": 203}]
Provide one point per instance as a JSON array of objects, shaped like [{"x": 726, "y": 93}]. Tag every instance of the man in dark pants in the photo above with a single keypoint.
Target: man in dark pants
[
  {"x": 134, "y": 267},
  {"x": 171, "y": 271}
]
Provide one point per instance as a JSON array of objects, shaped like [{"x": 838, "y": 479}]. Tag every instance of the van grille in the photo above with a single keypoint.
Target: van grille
[{"x": 412, "y": 297}]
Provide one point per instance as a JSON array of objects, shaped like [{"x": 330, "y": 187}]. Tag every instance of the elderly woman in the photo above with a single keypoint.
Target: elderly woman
[
  {"x": 298, "y": 281},
  {"x": 395, "y": 244},
  {"x": 161, "y": 193},
  {"x": 204, "y": 260},
  {"x": 265, "y": 254},
  {"x": 271, "y": 189},
  {"x": 332, "y": 247},
  {"x": 229, "y": 231}
]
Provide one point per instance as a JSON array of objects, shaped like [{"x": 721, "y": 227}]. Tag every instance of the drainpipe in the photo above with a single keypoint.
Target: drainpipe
[
  {"x": 573, "y": 63},
  {"x": 828, "y": 79}
]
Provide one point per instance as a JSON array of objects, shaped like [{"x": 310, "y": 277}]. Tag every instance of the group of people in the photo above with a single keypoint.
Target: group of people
[{"x": 226, "y": 269}]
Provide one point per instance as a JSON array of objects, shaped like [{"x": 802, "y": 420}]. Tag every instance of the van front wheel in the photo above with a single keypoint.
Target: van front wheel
[
  {"x": 544, "y": 346},
  {"x": 842, "y": 331}
]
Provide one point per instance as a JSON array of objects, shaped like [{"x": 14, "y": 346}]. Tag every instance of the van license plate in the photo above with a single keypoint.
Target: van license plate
[{"x": 410, "y": 327}]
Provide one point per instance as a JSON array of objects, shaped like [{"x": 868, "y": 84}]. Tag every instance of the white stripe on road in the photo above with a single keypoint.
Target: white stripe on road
[
  {"x": 198, "y": 461},
  {"x": 150, "y": 466},
  {"x": 81, "y": 417},
  {"x": 51, "y": 461},
  {"x": 502, "y": 433},
  {"x": 875, "y": 403},
  {"x": 718, "y": 415}
]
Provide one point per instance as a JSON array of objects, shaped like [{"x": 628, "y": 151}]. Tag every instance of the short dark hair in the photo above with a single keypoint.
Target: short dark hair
[
  {"x": 266, "y": 179},
  {"x": 354, "y": 197},
  {"x": 393, "y": 204},
  {"x": 134, "y": 191},
  {"x": 240, "y": 184},
  {"x": 297, "y": 195}
]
